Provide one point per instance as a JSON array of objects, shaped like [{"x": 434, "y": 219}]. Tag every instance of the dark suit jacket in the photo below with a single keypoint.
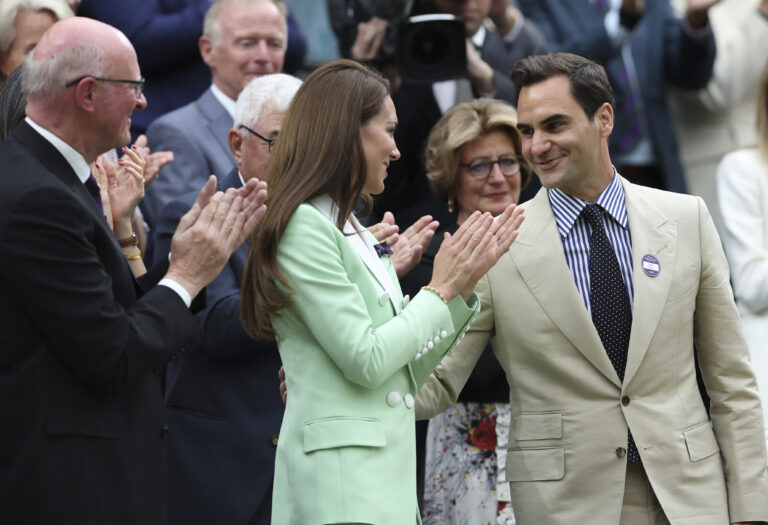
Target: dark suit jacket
[
  {"x": 407, "y": 192},
  {"x": 82, "y": 439},
  {"x": 224, "y": 407},
  {"x": 663, "y": 52}
]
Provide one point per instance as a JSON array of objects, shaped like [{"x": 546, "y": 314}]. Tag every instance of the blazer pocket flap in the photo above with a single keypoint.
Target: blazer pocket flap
[
  {"x": 535, "y": 464},
  {"x": 82, "y": 422},
  {"x": 538, "y": 426},
  {"x": 701, "y": 442},
  {"x": 343, "y": 432}
]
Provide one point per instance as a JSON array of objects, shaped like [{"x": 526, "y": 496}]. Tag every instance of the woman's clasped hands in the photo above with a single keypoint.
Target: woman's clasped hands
[{"x": 468, "y": 254}]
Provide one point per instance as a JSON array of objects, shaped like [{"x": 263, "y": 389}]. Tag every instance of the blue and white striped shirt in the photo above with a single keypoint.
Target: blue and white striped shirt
[{"x": 575, "y": 233}]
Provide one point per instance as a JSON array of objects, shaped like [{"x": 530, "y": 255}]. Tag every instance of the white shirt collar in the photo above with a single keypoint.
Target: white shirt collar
[
  {"x": 478, "y": 39},
  {"x": 362, "y": 244},
  {"x": 224, "y": 100},
  {"x": 70, "y": 154}
]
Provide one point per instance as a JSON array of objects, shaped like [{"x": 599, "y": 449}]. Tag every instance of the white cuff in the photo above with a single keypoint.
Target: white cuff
[{"x": 179, "y": 289}]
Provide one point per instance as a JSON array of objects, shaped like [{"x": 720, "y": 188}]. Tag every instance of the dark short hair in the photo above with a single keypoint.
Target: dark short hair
[{"x": 589, "y": 82}]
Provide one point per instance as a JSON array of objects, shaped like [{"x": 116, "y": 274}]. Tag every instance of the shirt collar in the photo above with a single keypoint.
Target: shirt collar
[
  {"x": 568, "y": 208},
  {"x": 478, "y": 39},
  {"x": 70, "y": 154},
  {"x": 224, "y": 100}
]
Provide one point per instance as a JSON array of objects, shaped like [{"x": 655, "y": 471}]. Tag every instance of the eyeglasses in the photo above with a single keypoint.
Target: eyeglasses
[
  {"x": 481, "y": 169},
  {"x": 137, "y": 85},
  {"x": 270, "y": 141}
]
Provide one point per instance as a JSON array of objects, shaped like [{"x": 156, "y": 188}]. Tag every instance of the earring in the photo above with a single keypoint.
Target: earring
[{"x": 450, "y": 204}]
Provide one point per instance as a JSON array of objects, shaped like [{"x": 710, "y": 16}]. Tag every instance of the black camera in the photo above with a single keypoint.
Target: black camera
[
  {"x": 431, "y": 48},
  {"x": 424, "y": 46}
]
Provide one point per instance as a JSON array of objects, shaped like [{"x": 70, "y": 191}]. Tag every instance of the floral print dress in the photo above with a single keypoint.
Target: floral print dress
[{"x": 465, "y": 459}]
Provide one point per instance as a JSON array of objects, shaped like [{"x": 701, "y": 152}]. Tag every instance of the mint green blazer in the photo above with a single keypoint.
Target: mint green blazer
[{"x": 346, "y": 451}]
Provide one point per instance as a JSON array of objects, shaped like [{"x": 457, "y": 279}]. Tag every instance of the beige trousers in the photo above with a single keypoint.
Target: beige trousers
[{"x": 640, "y": 506}]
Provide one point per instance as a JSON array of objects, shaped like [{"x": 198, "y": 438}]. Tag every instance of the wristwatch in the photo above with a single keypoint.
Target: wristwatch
[{"x": 133, "y": 240}]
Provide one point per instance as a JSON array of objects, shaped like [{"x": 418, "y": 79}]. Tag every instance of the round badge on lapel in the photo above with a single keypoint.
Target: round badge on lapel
[{"x": 651, "y": 265}]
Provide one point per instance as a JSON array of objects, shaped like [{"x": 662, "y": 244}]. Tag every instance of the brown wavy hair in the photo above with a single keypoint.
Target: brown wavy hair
[
  {"x": 319, "y": 150},
  {"x": 460, "y": 125}
]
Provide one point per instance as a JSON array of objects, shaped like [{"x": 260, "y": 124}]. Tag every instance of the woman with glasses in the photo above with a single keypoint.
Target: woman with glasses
[
  {"x": 354, "y": 350},
  {"x": 473, "y": 164}
]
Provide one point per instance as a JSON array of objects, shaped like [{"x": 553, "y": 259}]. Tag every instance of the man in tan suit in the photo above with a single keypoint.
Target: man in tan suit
[{"x": 608, "y": 425}]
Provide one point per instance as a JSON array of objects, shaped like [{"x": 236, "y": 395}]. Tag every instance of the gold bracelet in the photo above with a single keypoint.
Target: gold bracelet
[
  {"x": 134, "y": 257},
  {"x": 436, "y": 292}
]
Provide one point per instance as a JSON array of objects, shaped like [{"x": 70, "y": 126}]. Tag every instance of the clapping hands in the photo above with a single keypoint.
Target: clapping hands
[
  {"x": 468, "y": 254},
  {"x": 407, "y": 247}
]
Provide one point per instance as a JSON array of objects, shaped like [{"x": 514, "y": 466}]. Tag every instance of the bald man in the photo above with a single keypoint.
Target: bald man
[{"x": 82, "y": 439}]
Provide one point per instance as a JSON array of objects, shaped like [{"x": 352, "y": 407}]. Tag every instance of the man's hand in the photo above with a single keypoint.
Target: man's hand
[
  {"x": 386, "y": 230},
  {"x": 370, "y": 35},
  {"x": 211, "y": 230},
  {"x": 696, "y": 12},
  {"x": 503, "y": 16},
  {"x": 479, "y": 72},
  {"x": 633, "y": 6},
  {"x": 410, "y": 246}
]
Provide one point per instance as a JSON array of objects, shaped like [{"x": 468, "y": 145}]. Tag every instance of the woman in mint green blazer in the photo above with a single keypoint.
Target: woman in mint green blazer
[{"x": 354, "y": 350}]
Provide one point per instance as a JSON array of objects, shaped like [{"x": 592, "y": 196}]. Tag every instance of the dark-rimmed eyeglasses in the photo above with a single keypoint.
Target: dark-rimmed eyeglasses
[
  {"x": 137, "y": 85},
  {"x": 481, "y": 169},
  {"x": 269, "y": 140}
]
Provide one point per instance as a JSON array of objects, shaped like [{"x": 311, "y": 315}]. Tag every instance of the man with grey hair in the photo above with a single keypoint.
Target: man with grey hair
[
  {"x": 242, "y": 39},
  {"x": 221, "y": 447},
  {"x": 83, "y": 439}
]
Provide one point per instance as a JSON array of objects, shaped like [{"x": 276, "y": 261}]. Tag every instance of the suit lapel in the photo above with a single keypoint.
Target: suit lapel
[
  {"x": 538, "y": 256},
  {"x": 376, "y": 267},
  {"x": 378, "y": 270},
  {"x": 219, "y": 121},
  {"x": 56, "y": 164},
  {"x": 652, "y": 234}
]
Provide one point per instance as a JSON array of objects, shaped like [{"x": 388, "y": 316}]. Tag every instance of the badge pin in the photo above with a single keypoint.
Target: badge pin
[{"x": 651, "y": 265}]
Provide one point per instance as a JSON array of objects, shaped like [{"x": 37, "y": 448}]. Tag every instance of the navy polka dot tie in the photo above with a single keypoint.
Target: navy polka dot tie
[{"x": 611, "y": 311}]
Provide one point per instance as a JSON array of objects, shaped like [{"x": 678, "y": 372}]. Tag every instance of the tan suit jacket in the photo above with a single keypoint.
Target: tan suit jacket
[{"x": 570, "y": 412}]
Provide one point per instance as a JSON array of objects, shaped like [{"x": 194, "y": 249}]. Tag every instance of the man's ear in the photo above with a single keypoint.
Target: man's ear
[
  {"x": 206, "y": 50},
  {"x": 84, "y": 94},
  {"x": 604, "y": 119},
  {"x": 235, "y": 143}
]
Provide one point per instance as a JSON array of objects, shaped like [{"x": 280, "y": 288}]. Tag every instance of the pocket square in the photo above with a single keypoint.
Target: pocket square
[{"x": 382, "y": 249}]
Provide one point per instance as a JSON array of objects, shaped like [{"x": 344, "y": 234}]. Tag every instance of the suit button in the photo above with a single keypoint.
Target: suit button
[
  {"x": 274, "y": 440},
  {"x": 383, "y": 298},
  {"x": 621, "y": 452},
  {"x": 164, "y": 431},
  {"x": 393, "y": 399},
  {"x": 408, "y": 400},
  {"x": 625, "y": 400}
]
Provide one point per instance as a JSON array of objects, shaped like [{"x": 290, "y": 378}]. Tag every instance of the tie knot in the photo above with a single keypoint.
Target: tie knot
[{"x": 594, "y": 215}]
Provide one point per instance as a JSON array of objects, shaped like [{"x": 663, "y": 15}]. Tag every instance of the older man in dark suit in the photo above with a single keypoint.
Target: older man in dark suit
[
  {"x": 83, "y": 341},
  {"x": 222, "y": 395}
]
